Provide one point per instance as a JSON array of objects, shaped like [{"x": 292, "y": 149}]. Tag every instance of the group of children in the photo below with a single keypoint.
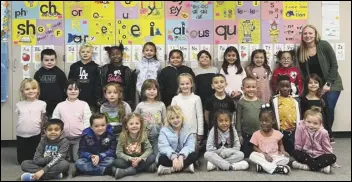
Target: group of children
[{"x": 230, "y": 114}]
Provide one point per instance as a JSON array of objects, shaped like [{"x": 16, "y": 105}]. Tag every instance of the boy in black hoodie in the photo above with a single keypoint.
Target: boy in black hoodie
[
  {"x": 51, "y": 81},
  {"x": 49, "y": 159},
  {"x": 87, "y": 73}
]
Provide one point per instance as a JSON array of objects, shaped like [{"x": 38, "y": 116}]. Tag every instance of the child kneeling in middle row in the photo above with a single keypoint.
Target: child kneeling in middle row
[{"x": 223, "y": 145}]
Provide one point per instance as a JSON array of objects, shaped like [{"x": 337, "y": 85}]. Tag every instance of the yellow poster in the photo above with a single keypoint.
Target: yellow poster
[
  {"x": 51, "y": 10},
  {"x": 129, "y": 32},
  {"x": 153, "y": 31},
  {"x": 295, "y": 10},
  {"x": 77, "y": 9},
  {"x": 102, "y": 32},
  {"x": 152, "y": 10},
  {"x": 24, "y": 31},
  {"x": 102, "y": 10},
  {"x": 249, "y": 31},
  {"x": 224, "y": 10}
]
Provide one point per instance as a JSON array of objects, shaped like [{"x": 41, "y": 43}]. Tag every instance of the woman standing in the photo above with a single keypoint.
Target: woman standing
[{"x": 317, "y": 56}]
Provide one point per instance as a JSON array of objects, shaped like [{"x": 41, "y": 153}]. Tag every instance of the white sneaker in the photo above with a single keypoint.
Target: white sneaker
[
  {"x": 190, "y": 169},
  {"x": 301, "y": 166},
  {"x": 211, "y": 166},
  {"x": 164, "y": 170},
  {"x": 326, "y": 169},
  {"x": 242, "y": 165}
]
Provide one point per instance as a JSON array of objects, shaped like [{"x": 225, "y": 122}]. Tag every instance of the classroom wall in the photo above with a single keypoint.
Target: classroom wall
[{"x": 342, "y": 116}]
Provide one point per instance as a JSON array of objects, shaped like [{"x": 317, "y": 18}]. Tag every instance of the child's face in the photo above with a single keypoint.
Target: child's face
[
  {"x": 111, "y": 94},
  {"x": 258, "y": 59},
  {"x": 223, "y": 122},
  {"x": 86, "y": 53},
  {"x": 53, "y": 131},
  {"x": 286, "y": 60},
  {"x": 72, "y": 92},
  {"x": 115, "y": 56},
  {"x": 185, "y": 85},
  {"x": 151, "y": 92},
  {"x": 175, "y": 120},
  {"x": 250, "y": 88},
  {"x": 134, "y": 125},
  {"x": 149, "y": 51},
  {"x": 313, "y": 85},
  {"x": 219, "y": 84},
  {"x": 285, "y": 88},
  {"x": 49, "y": 61},
  {"x": 266, "y": 121},
  {"x": 231, "y": 57},
  {"x": 313, "y": 123},
  {"x": 204, "y": 60},
  {"x": 30, "y": 92},
  {"x": 176, "y": 59},
  {"x": 99, "y": 126}
]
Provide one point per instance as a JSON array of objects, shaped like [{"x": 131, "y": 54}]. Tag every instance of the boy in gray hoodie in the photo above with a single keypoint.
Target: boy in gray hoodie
[{"x": 49, "y": 159}]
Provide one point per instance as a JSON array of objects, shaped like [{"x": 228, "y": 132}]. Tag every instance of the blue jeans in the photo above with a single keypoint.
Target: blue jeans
[
  {"x": 331, "y": 99},
  {"x": 86, "y": 166}
]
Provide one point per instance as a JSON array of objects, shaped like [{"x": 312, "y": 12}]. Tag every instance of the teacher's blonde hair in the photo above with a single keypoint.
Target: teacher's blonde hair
[{"x": 303, "y": 51}]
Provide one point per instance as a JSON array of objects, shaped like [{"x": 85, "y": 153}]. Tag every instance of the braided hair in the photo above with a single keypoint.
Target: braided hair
[{"x": 216, "y": 133}]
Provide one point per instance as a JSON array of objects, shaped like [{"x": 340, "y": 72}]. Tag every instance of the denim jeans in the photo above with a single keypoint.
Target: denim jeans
[
  {"x": 331, "y": 99},
  {"x": 86, "y": 166}
]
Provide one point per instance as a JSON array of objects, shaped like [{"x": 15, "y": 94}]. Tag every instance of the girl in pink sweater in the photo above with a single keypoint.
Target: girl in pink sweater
[
  {"x": 75, "y": 114},
  {"x": 313, "y": 150}
]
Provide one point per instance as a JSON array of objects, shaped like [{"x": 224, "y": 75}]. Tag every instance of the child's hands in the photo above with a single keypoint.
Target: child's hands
[
  {"x": 176, "y": 164},
  {"x": 180, "y": 160},
  {"x": 135, "y": 161},
  {"x": 95, "y": 160},
  {"x": 268, "y": 158},
  {"x": 38, "y": 174}
]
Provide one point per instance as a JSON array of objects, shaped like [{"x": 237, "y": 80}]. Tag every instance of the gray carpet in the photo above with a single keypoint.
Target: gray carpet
[{"x": 342, "y": 148}]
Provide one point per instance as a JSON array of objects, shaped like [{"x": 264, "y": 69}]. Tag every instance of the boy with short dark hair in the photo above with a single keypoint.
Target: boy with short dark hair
[
  {"x": 51, "y": 81},
  {"x": 49, "y": 159}
]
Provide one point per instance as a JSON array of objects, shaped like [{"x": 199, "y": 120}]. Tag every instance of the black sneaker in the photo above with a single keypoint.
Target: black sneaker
[
  {"x": 259, "y": 168},
  {"x": 332, "y": 140},
  {"x": 152, "y": 168},
  {"x": 282, "y": 169}
]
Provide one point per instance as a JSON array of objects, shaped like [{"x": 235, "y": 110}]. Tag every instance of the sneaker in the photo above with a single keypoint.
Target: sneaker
[
  {"x": 59, "y": 176},
  {"x": 27, "y": 177},
  {"x": 190, "y": 169},
  {"x": 75, "y": 172},
  {"x": 242, "y": 165},
  {"x": 120, "y": 173},
  {"x": 282, "y": 169},
  {"x": 259, "y": 168},
  {"x": 326, "y": 169},
  {"x": 164, "y": 170},
  {"x": 297, "y": 165},
  {"x": 152, "y": 168},
  {"x": 332, "y": 140},
  {"x": 211, "y": 166}
]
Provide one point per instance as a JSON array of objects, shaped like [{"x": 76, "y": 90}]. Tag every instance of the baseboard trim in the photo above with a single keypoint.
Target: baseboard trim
[{"x": 341, "y": 134}]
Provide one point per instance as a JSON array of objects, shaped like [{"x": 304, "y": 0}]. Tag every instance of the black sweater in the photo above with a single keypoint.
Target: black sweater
[
  {"x": 52, "y": 85},
  {"x": 168, "y": 81},
  {"x": 89, "y": 78}
]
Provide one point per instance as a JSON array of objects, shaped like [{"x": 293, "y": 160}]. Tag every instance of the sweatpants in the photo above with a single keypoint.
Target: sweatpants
[
  {"x": 314, "y": 164},
  {"x": 73, "y": 148},
  {"x": 191, "y": 158},
  {"x": 26, "y": 147},
  {"x": 223, "y": 160},
  {"x": 32, "y": 167},
  {"x": 86, "y": 166},
  {"x": 142, "y": 166},
  {"x": 269, "y": 167}
]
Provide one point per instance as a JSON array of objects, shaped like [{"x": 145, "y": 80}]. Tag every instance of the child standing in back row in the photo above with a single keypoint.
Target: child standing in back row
[
  {"x": 30, "y": 112},
  {"x": 167, "y": 78},
  {"x": 233, "y": 72},
  {"x": 52, "y": 81},
  {"x": 260, "y": 70}
]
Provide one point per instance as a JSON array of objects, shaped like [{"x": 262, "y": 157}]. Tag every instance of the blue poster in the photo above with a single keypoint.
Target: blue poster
[
  {"x": 4, "y": 71},
  {"x": 25, "y": 9},
  {"x": 76, "y": 32},
  {"x": 176, "y": 32}
]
